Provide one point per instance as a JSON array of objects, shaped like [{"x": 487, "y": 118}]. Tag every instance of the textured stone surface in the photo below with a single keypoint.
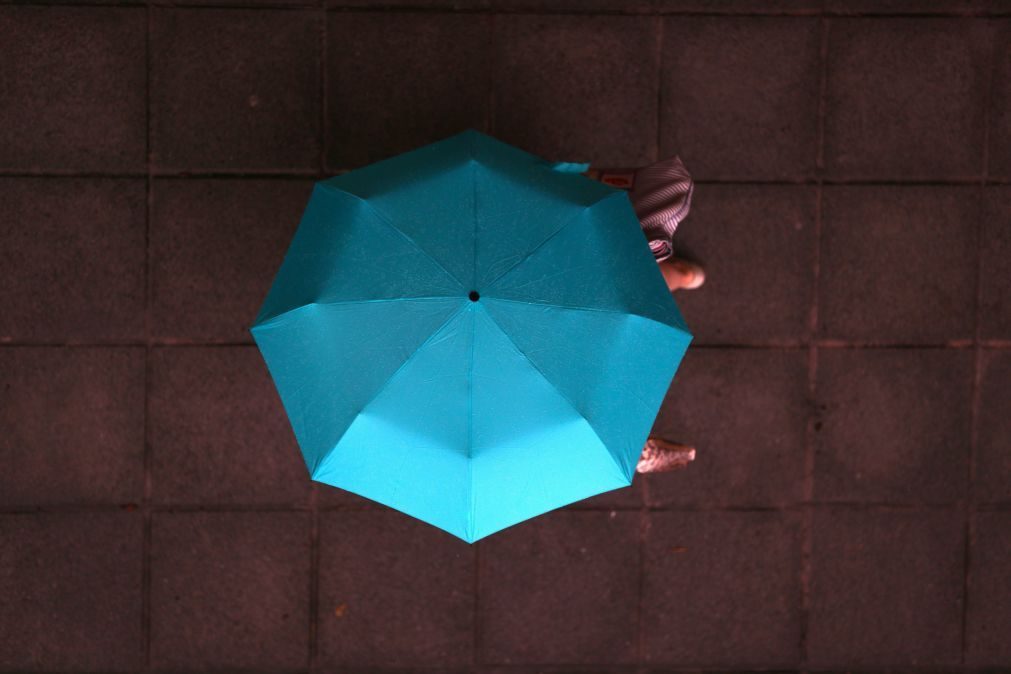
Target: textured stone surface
[
  {"x": 235, "y": 89},
  {"x": 904, "y": 98},
  {"x": 374, "y": 111},
  {"x": 561, "y": 588},
  {"x": 995, "y": 309},
  {"x": 721, "y": 589},
  {"x": 230, "y": 591},
  {"x": 577, "y": 88},
  {"x": 71, "y": 588},
  {"x": 993, "y": 453},
  {"x": 73, "y": 94},
  {"x": 740, "y": 96},
  {"x": 757, "y": 244},
  {"x": 215, "y": 247},
  {"x": 393, "y": 591},
  {"x": 1000, "y": 101},
  {"x": 218, "y": 433},
  {"x": 990, "y": 591},
  {"x": 745, "y": 412},
  {"x": 893, "y": 425},
  {"x": 73, "y": 425},
  {"x": 886, "y": 587},
  {"x": 71, "y": 259},
  {"x": 898, "y": 264}
]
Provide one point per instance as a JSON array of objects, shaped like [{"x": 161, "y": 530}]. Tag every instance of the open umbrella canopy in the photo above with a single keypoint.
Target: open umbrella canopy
[{"x": 470, "y": 336}]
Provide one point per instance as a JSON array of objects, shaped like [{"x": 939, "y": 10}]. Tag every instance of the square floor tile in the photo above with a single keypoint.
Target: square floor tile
[
  {"x": 893, "y": 425},
  {"x": 73, "y": 88},
  {"x": 72, "y": 259},
  {"x": 215, "y": 248},
  {"x": 393, "y": 592},
  {"x": 730, "y": 229},
  {"x": 561, "y": 588},
  {"x": 886, "y": 588},
  {"x": 993, "y": 454},
  {"x": 745, "y": 411},
  {"x": 578, "y": 88},
  {"x": 995, "y": 310},
  {"x": 989, "y": 619},
  {"x": 739, "y": 96},
  {"x": 235, "y": 89},
  {"x": 71, "y": 588},
  {"x": 218, "y": 432},
  {"x": 1000, "y": 103},
  {"x": 230, "y": 591},
  {"x": 399, "y": 81},
  {"x": 898, "y": 264},
  {"x": 722, "y": 589},
  {"x": 73, "y": 421},
  {"x": 905, "y": 98}
]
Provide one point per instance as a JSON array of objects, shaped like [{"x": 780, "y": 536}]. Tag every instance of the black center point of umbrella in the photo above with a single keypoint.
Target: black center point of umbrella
[{"x": 474, "y": 297}]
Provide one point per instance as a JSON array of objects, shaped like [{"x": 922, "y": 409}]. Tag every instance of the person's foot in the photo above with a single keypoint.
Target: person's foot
[
  {"x": 660, "y": 456},
  {"x": 682, "y": 274}
]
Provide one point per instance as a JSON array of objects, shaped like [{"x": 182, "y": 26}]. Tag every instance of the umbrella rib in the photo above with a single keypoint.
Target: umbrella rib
[
  {"x": 475, "y": 164},
  {"x": 389, "y": 223},
  {"x": 276, "y": 318},
  {"x": 536, "y": 248},
  {"x": 598, "y": 309},
  {"x": 563, "y": 396},
  {"x": 379, "y": 391}
]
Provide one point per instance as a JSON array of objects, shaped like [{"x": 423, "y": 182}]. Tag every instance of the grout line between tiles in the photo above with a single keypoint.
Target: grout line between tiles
[
  {"x": 148, "y": 219},
  {"x": 811, "y": 427},
  {"x": 644, "y": 519},
  {"x": 774, "y": 345},
  {"x": 323, "y": 80},
  {"x": 977, "y": 359},
  {"x": 477, "y": 643},
  {"x": 281, "y": 174},
  {"x": 644, "y": 526},
  {"x": 314, "y": 554},
  {"x": 312, "y": 641},
  {"x": 454, "y": 8},
  {"x": 798, "y": 507}
]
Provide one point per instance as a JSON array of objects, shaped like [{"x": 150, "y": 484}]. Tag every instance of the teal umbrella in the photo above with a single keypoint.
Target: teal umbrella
[{"x": 470, "y": 335}]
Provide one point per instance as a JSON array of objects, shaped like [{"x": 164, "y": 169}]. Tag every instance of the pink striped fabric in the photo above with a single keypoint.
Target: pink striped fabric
[{"x": 661, "y": 195}]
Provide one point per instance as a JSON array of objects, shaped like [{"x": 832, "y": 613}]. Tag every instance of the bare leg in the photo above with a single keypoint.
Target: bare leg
[
  {"x": 682, "y": 274},
  {"x": 660, "y": 456}
]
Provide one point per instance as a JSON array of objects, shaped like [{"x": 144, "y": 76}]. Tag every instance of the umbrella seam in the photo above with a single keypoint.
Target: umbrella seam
[
  {"x": 679, "y": 328},
  {"x": 389, "y": 223},
  {"x": 472, "y": 516},
  {"x": 385, "y": 385},
  {"x": 621, "y": 468},
  {"x": 472, "y": 519},
  {"x": 277, "y": 317},
  {"x": 551, "y": 236},
  {"x": 474, "y": 165}
]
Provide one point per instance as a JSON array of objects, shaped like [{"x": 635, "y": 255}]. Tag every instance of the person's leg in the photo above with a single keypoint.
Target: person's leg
[
  {"x": 660, "y": 456},
  {"x": 682, "y": 274}
]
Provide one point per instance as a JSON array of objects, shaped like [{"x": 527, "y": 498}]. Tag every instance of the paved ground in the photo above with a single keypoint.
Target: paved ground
[{"x": 849, "y": 388}]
